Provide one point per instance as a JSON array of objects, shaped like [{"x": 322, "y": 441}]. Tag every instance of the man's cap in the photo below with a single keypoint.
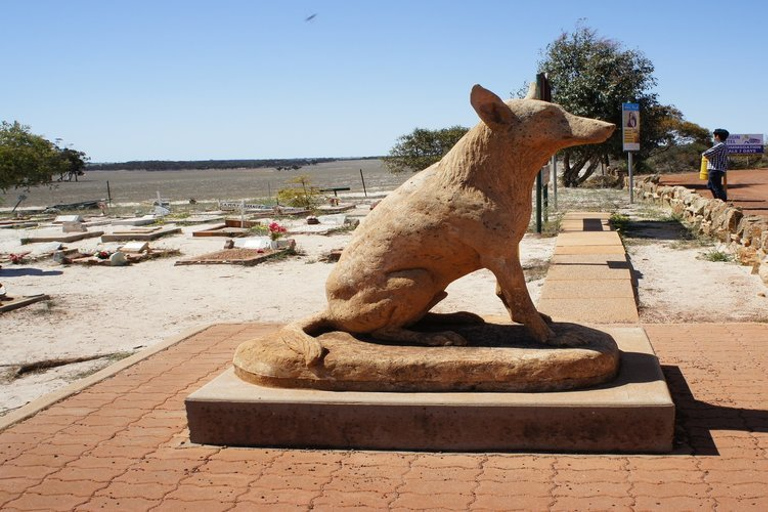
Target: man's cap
[{"x": 722, "y": 133}]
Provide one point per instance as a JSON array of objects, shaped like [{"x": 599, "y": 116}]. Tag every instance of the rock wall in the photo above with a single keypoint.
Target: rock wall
[{"x": 745, "y": 236}]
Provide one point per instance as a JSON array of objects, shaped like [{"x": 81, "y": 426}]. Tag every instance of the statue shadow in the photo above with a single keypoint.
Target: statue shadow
[{"x": 695, "y": 420}]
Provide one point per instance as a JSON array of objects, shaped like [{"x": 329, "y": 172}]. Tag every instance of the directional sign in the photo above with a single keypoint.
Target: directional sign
[{"x": 745, "y": 143}]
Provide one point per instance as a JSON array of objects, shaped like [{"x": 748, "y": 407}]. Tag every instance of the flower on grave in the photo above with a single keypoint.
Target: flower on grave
[
  {"x": 276, "y": 230},
  {"x": 102, "y": 255}
]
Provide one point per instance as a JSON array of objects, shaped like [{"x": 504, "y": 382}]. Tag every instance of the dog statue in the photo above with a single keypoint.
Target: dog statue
[{"x": 466, "y": 212}]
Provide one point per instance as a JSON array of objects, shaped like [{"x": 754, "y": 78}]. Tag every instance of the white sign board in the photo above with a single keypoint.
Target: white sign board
[
  {"x": 745, "y": 143},
  {"x": 630, "y": 126}
]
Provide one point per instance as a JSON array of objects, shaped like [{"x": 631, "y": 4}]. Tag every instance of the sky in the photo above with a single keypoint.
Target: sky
[{"x": 257, "y": 79}]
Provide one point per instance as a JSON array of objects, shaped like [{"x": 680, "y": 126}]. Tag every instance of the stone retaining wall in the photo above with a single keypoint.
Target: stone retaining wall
[{"x": 746, "y": 236}]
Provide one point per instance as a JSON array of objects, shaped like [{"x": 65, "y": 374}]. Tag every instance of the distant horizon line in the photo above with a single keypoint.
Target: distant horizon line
[{"x": 211, "y": 160}]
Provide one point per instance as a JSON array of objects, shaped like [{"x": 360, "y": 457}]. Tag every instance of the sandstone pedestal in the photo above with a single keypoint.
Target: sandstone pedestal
[
  {"x": 632, "y": 413},
  {"x": 498, "y": 357}
]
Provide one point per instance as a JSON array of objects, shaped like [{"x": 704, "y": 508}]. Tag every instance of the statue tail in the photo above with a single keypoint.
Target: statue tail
[{"x": 299, "y": 338}]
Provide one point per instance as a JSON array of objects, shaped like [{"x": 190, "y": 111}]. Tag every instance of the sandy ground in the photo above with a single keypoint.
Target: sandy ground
[{"x": 116, "y": 311}]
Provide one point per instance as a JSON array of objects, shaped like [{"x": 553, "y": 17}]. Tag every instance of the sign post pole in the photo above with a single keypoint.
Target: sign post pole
[{"x": 630, "y": 128}]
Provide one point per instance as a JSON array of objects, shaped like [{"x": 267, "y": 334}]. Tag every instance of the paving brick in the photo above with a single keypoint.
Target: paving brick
[
  {"x": 670, "y": 489},
  {"x": 353, "y": 500},
  {"x": 295, "y": 496},
  {"x": 667, "y": 475},
  {"x": 592, "y": 489},
  {"x": 104, "y": 503},
  {"x": 379, "y": 459},
  {"x": 585, "y": 477},
  {"x": 9, "y": 471},
  {"x": 54, "y": 486},
  {"x": 311, "y": 469},
  {"x": 519, "y": 462},
  {"x": 66, "y": 450},
  {"x": 355, "y": 483},
  {"x": 675, "y": 503},
  {"x": 418, "y": 486},
  {"x": 445, "y": 501},
  {"x": 612, "y": 503},
  {"x": 448, "y": 461},
  {"x": 743, "y": 505},
  {"x": 521, "y": 502},
  {"x": 195, "y": 493},
  {"x": 209, "y": 505},
  {"x": 167, "y": 477},
  {"x": 152, "y": 491},
  {"x": 94, "y": 474},
  {"x": 514, "y": 488},
  {"x": 281, "y": 482},
  {"x": 33, "y": 501}
]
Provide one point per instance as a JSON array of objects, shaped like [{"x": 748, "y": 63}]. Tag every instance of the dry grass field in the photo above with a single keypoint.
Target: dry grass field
[{"x": 136, "y": 187}]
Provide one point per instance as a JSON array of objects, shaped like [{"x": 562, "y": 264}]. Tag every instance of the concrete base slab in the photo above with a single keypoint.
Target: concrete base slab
[
  {"x": 632, "y": 414},
  {"x": 588, "y": 289},
  {"x": 613, "y": 310}
]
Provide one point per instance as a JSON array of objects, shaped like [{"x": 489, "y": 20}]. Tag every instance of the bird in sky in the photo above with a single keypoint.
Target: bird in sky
[{"x": 311, "y": 17}]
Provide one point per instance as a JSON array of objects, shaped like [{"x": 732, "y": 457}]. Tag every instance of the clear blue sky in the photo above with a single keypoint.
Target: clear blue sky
[{"x": 192, "y": 79}]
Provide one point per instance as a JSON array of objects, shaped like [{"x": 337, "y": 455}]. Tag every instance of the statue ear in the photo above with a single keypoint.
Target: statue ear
[
  {"x": 531, "y": 91},
  {"x": 489, "y": 107}
]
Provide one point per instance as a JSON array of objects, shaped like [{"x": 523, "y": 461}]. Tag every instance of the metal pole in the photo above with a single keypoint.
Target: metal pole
[
  {"x": 545, "y": 197},
  {"x": 109, "y": 194},
  {"x": 538, "y": 202},
  {"x": 362, "y": 178},
  {"x": 554, "y": 181},
  {"x": 631, "y": 180}
]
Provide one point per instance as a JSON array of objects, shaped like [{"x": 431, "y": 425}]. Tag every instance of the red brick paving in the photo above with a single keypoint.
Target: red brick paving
[
  {"x": 122, "y": 444},
  {"x": 747, "y": 188}
]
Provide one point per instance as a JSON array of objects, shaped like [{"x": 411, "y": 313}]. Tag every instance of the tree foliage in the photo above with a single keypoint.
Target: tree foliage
[
  {"x": 302, "y": 195},
  {"x": 28, "y": 160},
  {"x": 592, "y": 76},
  {"x": 422, "y": 148}
]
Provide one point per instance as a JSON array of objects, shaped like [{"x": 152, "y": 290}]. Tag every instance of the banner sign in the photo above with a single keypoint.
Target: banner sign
[
  {"x": 630, "y": 124},
  {"x": 745, "y": 144}
]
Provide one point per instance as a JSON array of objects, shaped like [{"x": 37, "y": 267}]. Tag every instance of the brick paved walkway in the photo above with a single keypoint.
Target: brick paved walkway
[{"x": 122, "y": 444}]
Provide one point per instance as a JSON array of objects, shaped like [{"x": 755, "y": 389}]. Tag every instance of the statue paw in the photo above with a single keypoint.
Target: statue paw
[{"x": 446, "y": 339}]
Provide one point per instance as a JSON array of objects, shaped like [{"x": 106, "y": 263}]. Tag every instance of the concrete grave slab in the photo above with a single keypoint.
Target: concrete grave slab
[{"x": 144, "y": 235}]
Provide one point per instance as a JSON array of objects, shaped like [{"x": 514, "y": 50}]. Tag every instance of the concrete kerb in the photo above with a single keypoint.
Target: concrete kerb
[{"x": 46, "y": 401}]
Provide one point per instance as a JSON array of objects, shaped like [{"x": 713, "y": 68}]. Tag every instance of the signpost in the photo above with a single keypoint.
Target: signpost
[
  {"x": 630, "y": 129},
  {"x": 544, "y": 93},
  {"x": 745, "y": 144}
]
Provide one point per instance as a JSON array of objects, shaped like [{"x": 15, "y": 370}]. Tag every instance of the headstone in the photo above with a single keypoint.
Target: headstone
[
  {"x": 117, "y": 259},
  {"x": 74, "y": 227},
  {"x": 135, "y": 247},
  {"x": 61, "y": 219},
  {"x": 260, "y": 242}
]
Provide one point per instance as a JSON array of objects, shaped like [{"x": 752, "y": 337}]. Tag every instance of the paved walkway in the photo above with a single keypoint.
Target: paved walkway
[
  {"x": 590, "y": 279},
  {"x": 122, "y": 444},
  {"x": 747, "y": 189}
]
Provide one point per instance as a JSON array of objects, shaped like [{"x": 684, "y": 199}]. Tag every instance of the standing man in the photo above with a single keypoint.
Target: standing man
[{"x": 717, "y": 165}]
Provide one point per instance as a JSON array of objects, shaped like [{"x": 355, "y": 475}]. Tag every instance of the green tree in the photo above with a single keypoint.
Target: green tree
[
  {"x": 681, "y": 146},
  {"x": 422, "y": 148},
  {"x": 73, "y": 163},
  {"x": 26, "y": 160},
  {"x": 592, "y": 76}
]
